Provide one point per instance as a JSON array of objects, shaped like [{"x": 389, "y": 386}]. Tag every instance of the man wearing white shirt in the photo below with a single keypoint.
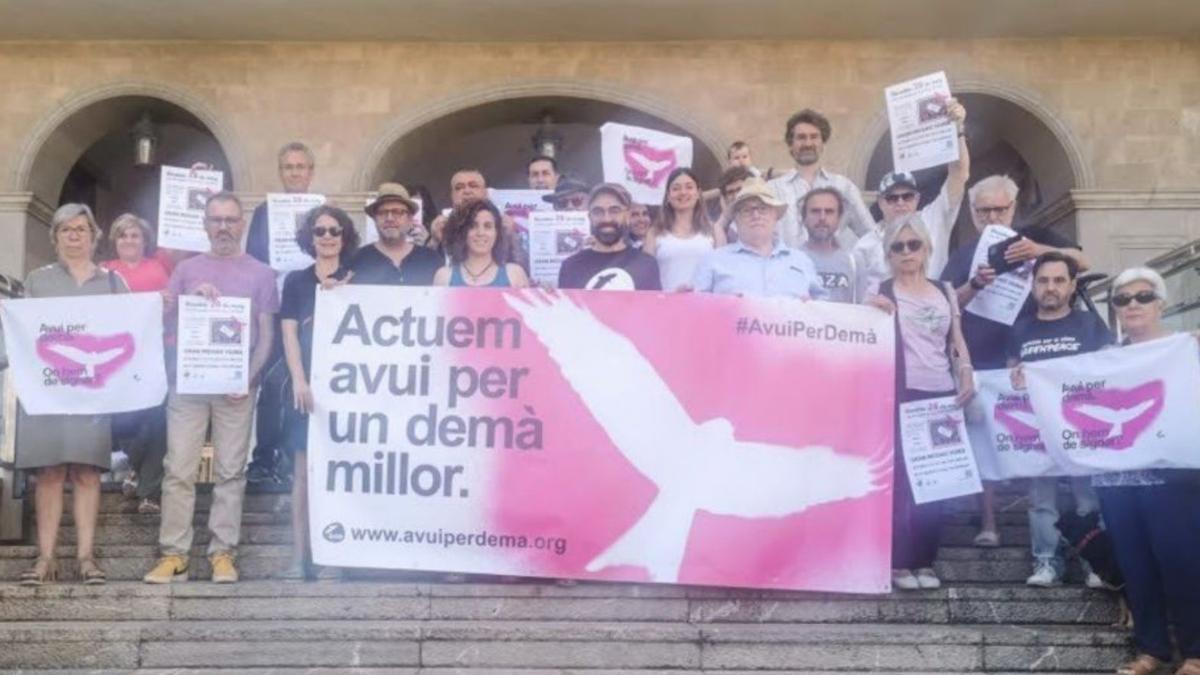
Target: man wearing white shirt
[
  {"x": 806, "y": 134},
  {"x": 899, "y": 196}
]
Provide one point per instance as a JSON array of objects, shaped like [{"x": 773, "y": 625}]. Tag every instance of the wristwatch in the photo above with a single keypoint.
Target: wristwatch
[{"x": 977, "y": 284}]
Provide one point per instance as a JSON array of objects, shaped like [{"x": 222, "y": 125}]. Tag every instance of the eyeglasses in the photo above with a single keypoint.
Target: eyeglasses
[
  {"x": 897, "y": 197},
  {"x": 576, "y": 203},
  {"x": 756, "y": 210},
  {"x": 913, "y": 245},
  {"x": 75, "y": 230},
  {"x": 392, "y": 213},
  {"x": 984, "y": 211},
  {"x": 1141, "y": 298},
  {"x": 226, "y": 221},
  {"x": 322, "y": 231},
  {"x": 600, "y": 212}
]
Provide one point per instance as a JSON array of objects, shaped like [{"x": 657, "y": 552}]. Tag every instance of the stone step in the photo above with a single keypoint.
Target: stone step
[
  {"x": 530, "y": 600},
  {"x": 584, "y": 645},
  {"x": 500, "y": 671},
  {"x": 266, "y": 551}
]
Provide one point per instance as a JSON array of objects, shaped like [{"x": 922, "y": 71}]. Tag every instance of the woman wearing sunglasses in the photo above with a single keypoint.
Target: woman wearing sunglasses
[
  {"x": 328, "y": 235},
  {"x": 1153, "y": 517},
  {"x": 931, "y": 362}
]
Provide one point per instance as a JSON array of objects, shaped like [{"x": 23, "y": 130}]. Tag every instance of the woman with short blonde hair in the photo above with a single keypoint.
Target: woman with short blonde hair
[{"x": 58, "y": 448}]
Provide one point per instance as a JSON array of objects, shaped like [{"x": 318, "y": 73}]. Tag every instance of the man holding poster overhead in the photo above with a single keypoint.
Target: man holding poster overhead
[{"x": 225, "y": 272}]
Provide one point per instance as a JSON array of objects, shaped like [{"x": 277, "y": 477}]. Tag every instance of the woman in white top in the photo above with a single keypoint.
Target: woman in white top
[{"x": 684, "y": 234}]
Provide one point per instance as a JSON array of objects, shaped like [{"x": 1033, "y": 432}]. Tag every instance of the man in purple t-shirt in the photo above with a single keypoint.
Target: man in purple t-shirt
[{"x": 224, "y": 271}]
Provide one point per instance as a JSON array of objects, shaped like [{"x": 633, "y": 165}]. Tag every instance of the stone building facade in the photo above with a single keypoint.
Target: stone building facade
[{"x": 1110, "y": 127}]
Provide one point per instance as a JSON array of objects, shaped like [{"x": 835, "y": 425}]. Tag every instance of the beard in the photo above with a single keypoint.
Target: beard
[{"x": 608, "y": 233}]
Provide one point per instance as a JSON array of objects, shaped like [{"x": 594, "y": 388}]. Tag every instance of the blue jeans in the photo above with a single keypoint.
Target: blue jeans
[
  {"x": 1155, "y": 532},
  {"x": 1044, "y": 537}
]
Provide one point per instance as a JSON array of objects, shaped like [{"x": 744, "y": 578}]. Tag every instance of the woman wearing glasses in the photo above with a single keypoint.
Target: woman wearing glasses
[
  {"x": 1153, "y": 517},
  {"x": 58, "y": 448},
  {"x": 931, "y": 362},
  {"x": 328, "y": 235}
]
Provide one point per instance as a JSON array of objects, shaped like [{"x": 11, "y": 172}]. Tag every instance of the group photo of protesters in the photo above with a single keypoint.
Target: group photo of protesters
[{"x": 239, "y": 343}]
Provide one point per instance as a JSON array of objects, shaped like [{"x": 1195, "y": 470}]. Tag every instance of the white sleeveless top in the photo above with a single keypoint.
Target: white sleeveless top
[{"x": 678, "y": 257}]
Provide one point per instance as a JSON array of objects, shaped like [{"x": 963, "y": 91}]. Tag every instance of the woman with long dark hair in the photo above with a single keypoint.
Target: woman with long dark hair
[{"x": 683, "y": 234}]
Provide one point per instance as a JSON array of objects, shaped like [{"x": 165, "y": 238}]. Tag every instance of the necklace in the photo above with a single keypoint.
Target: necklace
[{"x": 475, "y": 276}]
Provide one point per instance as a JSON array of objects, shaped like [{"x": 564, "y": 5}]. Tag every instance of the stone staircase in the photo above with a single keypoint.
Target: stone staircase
[{"x": 983, "y": 620}]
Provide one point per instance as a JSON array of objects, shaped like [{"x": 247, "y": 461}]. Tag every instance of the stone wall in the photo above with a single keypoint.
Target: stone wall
[{"x": 1126, "y": 110}]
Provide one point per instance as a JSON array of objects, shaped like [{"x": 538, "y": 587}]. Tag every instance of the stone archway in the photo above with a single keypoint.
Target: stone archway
[
  {"x": 53, "y": 146},
  {"x": 426, "y": 146},
  {"x": 1009, "y": 132},
  {"x": 82, "y": 151}
]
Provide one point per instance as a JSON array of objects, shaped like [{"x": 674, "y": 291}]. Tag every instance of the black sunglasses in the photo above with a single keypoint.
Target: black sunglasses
[
  {"x": 913, "y": 245},
  {"x": 321, "y": 231},
  {"x": 1142, "y": 298},
  {"x": 897, "y": 197}
]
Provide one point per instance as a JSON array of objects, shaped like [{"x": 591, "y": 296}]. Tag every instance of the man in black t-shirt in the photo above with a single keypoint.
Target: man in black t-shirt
[
  {"x": 609, "y": 264},
  {"x": 394, "y": 260},
  {"x": 993, "y": 201},
  {"x": 1055, "y": 330}
]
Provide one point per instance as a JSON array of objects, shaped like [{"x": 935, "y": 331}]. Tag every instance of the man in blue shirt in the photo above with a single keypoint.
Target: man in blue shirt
[{"x": 758, "y": 263}]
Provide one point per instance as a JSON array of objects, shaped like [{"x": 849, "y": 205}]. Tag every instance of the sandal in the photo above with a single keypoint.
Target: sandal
[
  {"x": 1144, "y": 664},
  {"x": 1189, "y": 667},
  {"x": 44, "y": 570},
  {"x": 91, "y": 574}
]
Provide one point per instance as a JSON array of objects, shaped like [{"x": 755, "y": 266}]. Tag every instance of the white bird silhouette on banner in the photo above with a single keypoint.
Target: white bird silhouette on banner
[
  {"x": 650, "y": 166},
  {"x": 89, "y": 360},
  {"x": 695, "y": 466},
  {"x": 1116, "y": 417}
]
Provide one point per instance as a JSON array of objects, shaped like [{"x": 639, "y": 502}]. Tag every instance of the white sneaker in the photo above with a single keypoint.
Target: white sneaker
[
  {"x": 1094, "y": 582},
  {"x": 987, "y": 539},
  {"x": 1043, "y": 576},
  {"x": 927, "y": 578},
  {"x": 904, "y": 580}
]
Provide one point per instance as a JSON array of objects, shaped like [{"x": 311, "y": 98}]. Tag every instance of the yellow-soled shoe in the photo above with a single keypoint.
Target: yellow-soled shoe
[
  {"x": 168, "y": 568},
  {"x": 223, "y": 569}
]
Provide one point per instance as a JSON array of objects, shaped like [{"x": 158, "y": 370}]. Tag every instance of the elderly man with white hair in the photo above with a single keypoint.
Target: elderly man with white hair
[{"x": 993, "y": 201}]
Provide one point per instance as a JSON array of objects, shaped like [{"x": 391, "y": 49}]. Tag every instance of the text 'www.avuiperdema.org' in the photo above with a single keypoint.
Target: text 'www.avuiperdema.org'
[
  {"x": 825, "y": 332},
  {"x": 445, "y": 539}
]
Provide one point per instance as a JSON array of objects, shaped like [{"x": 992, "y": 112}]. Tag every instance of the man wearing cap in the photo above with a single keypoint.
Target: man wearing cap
[
  {"x": 569, "y": 195},
  {"x": 806, "y": 134},
  {"x": 822, "y": 210},
  {"x": 899, "y": 197},
  {"x": 759, "y": 263},
  {"x": 394, "y": 260},
  {"x": 609, "y": 263}
]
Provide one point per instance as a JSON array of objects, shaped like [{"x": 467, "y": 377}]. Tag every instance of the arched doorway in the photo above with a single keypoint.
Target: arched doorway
[
  {"x": 1004, "y": 138},
  {"x": 89, "y": 157},
  {"x": 496, "y": 138}
]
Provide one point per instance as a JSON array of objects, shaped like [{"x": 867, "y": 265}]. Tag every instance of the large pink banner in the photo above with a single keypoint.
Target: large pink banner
[{"x": 590, "y": 435}]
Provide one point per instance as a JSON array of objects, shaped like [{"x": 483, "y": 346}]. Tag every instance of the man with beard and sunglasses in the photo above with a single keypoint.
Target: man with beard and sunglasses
[
  {"x": 1056, "y": 329},
  {"x": 609, "y": 263},
  {"x": 225, "y": 271}
]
